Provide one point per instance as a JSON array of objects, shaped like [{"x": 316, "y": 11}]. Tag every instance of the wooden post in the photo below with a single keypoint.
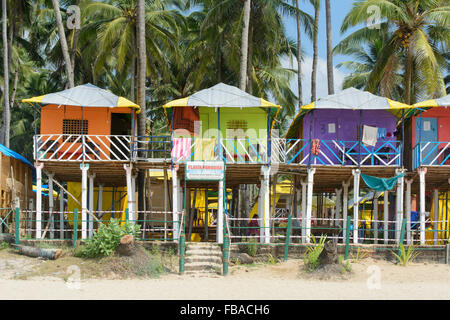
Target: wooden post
[
  {"x": 304, "y": 200},
  {"x": 220, "y": 213},
  {"x": 51, "y": 205},
  {"x": 128, "y": 170},
  {"x": 311, "y": 172},
  {"x": 17, "y": 225},
  {"x": 207, "y": 215},
  {"x": 436, "y": 215},
  {"x": 30, "y": 217},
  {"x": 38, "y": 167},
  {"x": 266, "y": 202},
  {"x": 134, "y": 211},
  {"x": 356, "y": 175},
  {"x": 84, "y": 170},
  {"x": 176, "y": 208},
  {"x": 91, "y": 203},
  {"x": 337, "y": 214},
  {"x": 347, "y": 237},
  {"x": 386, "y": 217},
  {"x": 288, "y": 237},
  {"x": 375, "y": 217},
  {"x": 422, "y": 172},
  {"x": 399, "y": 209},
  {"x": 345, "y": 186},
  {"x": 165, "y": 202},
  {"x": 408, "y": 210},
  {"x": 75, "y": 227},
  {"x": 61, "y": 213},
  {"x": 226, "y": 253}
]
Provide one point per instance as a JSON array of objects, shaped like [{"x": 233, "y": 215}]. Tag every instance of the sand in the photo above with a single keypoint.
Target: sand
[{"x": 369, "y": 279}]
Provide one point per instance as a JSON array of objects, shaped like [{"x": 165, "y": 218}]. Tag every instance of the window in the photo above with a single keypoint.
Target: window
[{"x": 75, "y": 127}]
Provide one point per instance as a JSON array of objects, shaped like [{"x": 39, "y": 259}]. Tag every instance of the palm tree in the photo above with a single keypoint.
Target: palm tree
[
  {"x": 63, "y": 42},
  {"x": 417, "y": 27},
  {"x": 6, "y": 110},
  {"x": 244, "y": 45},
  {"x": 330, "y": 75},
  {"x": 316, "y": 4},
  {"x": 364, "y": 58}
]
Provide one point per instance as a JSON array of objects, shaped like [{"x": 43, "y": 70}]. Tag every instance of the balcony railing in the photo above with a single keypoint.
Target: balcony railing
[
  {"x": 431, "y": 153},
  {"x": 92, "y": 148},
  {"x": 335, "y": 152}
]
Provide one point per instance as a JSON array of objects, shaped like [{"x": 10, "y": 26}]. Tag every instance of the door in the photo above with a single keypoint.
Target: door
[{"x": 426, "y": 130}]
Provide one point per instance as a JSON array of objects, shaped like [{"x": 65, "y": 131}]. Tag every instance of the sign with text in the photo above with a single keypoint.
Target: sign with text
[{"x": 205, "y": 170}]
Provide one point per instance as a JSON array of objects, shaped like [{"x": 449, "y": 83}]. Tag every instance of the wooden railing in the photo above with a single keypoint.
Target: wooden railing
[{"x": 431, "y": 153}]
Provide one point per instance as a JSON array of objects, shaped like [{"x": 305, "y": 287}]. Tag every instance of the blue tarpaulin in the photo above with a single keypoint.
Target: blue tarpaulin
[
  {"x": 380, "y": 184},
  {"x": 9, "y": 153}
]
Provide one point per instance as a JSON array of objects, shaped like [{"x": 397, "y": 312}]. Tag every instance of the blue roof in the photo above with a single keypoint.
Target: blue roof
[{"x": 8, "y": 152}]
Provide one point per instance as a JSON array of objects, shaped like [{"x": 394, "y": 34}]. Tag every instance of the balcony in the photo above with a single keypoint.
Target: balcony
[
  {"x": 101, "y": 148},
  {"x": 335, "y": 152},
  {"x": 431, "y": 153}
]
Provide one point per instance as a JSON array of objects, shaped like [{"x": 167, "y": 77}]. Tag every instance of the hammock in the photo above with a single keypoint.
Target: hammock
[{"x": 380, "y": 184}]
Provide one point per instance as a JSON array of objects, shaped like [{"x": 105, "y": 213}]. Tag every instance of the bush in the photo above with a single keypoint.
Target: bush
[
  {"x": 406, "y": 256},
  {"x": 107, "y": 238},
  {"x": 252, "y": 247},
  {"x": 312, "y": 254}
]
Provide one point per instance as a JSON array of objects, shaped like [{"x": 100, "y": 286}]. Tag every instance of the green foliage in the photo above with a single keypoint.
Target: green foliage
[
  {"x": 312, "y": 254},
  {"x": 359, "y": 256},
  {"x": 4, "y": 245},
  {"x": 406, "y": 256},
  {"x": 107, "y": 238},
  {"x": 252, "y": 247},
  {"x": 271, "y": 259}
]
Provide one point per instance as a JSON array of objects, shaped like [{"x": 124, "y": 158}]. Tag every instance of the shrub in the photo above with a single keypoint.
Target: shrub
[
  {"x": 107, "y": 238},
  {"x": 406, "y": 256},
  {"x": 312, "y": 254},
  {"x": 252, "y": 247}
]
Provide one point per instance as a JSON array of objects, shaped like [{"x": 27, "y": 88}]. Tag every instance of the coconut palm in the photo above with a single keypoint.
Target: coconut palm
[
  {"x": 316, "y": 4},
  {"x": 417, "y": 27},
  {"x": 6, "y": 111},
  {"x": 63, "y": 42},
  {"x": 330, "y": 75}
]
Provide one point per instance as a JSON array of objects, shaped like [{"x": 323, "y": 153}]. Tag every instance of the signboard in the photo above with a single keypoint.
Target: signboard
[{"x": 205, "y": 170}]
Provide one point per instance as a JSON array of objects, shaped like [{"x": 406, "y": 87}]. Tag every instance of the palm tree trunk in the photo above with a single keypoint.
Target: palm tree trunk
[
  {"x": 250, "y": 58},
  {"x": 330, "y": 74},
  {"x": 244, "y": 46},
  {"x": 6, "y": 110},
  {"x": 299, "y": 59},
  {"x": 408, "y": 79},
  {"x": 142, "y": 67},
  {"x": 316, "y": 50},
  {"x": 63, "y": 41}
]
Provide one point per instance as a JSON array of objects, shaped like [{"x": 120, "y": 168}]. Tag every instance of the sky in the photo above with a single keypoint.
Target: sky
[{"x": 339, "y": 9}]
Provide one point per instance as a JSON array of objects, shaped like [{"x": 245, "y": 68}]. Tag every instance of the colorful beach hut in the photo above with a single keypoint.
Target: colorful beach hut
[
  {"x": 240, "y": 121},
  {"x": 352, "y": 127},
  {"x": 430, "y": 133},
  {"x": 88, "y": 114}
]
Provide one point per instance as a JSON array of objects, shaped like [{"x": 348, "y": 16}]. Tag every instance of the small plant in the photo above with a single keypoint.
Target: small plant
[
  {"x": 155, "y": 250},
  {"x": 252, "y": 247},
  {"x": 107, "y": 238},
  {"x": 406, "y": 256},
  {"x": 312, "y": 254},
  {"x": 271, "y": 259},
  {"x": 171, "y": 252},
  {"x": 345, "y": 266},
  {"x": 359, "y": 256},
  {"x": 4, "y": 245}
]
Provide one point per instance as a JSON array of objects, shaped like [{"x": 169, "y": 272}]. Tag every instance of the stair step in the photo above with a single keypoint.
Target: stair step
[
  {"x": 202, "y": 254},
  {"x": 203, "y": 259},
  {"x": 191, "y": 266}
]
